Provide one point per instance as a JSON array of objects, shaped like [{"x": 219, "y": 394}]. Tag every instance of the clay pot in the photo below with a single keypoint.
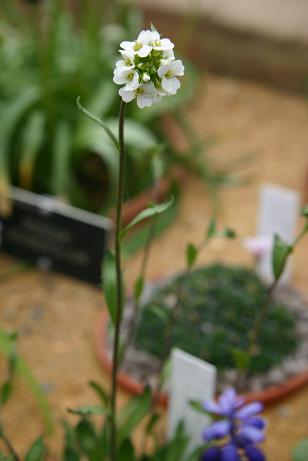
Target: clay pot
[{"x": 268, "y": 396}]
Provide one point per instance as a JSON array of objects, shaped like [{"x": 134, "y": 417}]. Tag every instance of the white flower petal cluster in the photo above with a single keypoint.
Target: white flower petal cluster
[{"x": 148, "y": 69}]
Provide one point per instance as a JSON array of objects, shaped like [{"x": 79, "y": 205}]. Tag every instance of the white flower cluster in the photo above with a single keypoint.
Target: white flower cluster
[{"x": 148, "y": 69}]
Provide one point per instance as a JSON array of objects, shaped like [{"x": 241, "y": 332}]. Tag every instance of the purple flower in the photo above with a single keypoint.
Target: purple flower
[{"x": 238, "y": 430}]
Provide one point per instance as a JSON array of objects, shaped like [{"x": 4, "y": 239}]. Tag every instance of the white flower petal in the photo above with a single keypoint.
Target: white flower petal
[
  {"x": 171, "y": 85},
  {"x": 127, "y": 96},
  {"x": 166, "y": 44},
  {"x": 155, "y": 36},
  {"x": 144, "y": 51},
  {"x": 144, "y": 101},
  {"x": 144, "y": 37},
  {"x": 133, "y": 84},
  {"x": 177, "y": 67},
  {"x": 127, "y": 45},
  {"x": 163, "y": 70}
]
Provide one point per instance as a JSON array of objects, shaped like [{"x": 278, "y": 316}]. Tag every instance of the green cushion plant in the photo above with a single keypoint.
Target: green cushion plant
[{"x": 217, "y": 308}]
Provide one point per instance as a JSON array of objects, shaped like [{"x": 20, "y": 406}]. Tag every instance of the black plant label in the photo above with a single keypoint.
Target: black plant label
[{"x": 55, "y": 236}]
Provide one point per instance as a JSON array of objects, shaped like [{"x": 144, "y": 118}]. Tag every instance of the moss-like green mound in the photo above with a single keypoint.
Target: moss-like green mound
[{"x": 217, "y": 309}]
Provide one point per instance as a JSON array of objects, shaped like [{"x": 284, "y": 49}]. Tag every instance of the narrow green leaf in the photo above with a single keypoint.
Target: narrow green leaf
[
  {"x": 110, "y": 284},
  {"x": 88, "y": 410},
  {"x": 86, "y": 436},
  {"x": 133, "y": 413},
  {"x": 280, "y": 254},
  {"x": 126, "y": 451},
  {"x": 138, "y": 287},
  {"x": 37, "y": 451},
  {"x": 229, "y": 233},
  {"x": 152, "y": 210},
  {"x": 23, "y": 369},
  {"x": 212, "y": 229},
  {"x": 6, "y": 391},
  {"x": 300, "y": 452},
  {"x": 100, "y": 391},
  {"x": 304, "y": 211},
  {"x": 31, "y": 142},
  {"x": 61, "y": 168},
  {"x": 100, "y": 122},
  {"x": 198, "y": 407},
  {"x": 191, "y": 254}
]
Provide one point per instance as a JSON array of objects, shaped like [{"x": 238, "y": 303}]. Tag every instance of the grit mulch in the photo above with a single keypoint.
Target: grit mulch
[{"x": 56, "y": 316}]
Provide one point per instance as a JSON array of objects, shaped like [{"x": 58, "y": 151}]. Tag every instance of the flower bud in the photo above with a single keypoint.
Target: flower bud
[{"x": 145, "y": 77}]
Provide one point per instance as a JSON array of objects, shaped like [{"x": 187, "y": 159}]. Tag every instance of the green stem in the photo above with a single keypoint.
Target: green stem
[{"x": 119, "y": 293}]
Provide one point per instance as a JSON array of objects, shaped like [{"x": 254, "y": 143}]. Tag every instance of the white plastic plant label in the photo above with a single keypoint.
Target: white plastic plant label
[
  {"x": 191, "y": 379},
  {"x": 278, "y": 213}
]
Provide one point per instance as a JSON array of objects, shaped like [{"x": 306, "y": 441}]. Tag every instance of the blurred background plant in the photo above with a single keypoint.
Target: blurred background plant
[{"x": 50, "y": 53}]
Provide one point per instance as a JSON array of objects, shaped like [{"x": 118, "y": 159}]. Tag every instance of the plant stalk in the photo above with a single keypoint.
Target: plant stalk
[{"x": 119, "y": 293}]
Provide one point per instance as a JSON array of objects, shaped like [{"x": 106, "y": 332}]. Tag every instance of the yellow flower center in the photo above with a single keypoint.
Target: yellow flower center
[
  {"x": 130, "y": 76},
  {"x": 169, "y": 74},
  {"x": 139, "y": 91},
  {"x": 137, "y": 46}
]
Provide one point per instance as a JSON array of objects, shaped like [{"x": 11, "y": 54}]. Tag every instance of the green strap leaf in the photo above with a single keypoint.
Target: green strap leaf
[
  {"x": 100, "y": 391},
  {"x": 100, "y": 122},
  {"x": 152, "y": 210}
]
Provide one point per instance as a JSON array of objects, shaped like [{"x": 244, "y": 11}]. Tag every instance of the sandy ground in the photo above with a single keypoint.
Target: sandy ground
[{"x": 57, "y": 316}]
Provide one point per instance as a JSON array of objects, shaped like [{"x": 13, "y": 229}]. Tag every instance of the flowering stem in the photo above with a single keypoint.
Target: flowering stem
[{"x": 119, "y": 294}]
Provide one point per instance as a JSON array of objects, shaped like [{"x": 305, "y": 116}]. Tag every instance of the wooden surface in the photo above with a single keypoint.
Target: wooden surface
[{"x": 57, "y": 316}]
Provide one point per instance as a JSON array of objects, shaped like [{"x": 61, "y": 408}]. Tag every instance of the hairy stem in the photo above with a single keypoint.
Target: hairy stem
[{"x": 119, "y": 294}]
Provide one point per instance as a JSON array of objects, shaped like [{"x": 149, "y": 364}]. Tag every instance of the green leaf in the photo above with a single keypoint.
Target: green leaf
[
  {"x": 191, "y": 254},
  {"x": 69, "y": 454},
  {"x": 126, "y": 451},
  {"x": 31, "y": 142},
  {"x": 110, "y": 284},
  {"x": 198, "y": 407},
  {"x": 96, "y": 119},
  {"x": 88, "y": 410},
  {"x": 212, "y": 229},
  {"x": 140, "y": 237},
  {"x": 61, "y": 168},
  {"x": 229, "y": 233},
  {"x": 304, "y": 211},
  {"x": 280, "y": 254},
  {"x": 138, "y": 287},
  {"x": 300, "y": 452},
  {"x": 86, "y": 436},
  {"x": 100, "y": 391},
  {"x": 37, "y": 451},
  {"x": 241, "y": 358},
  {"x": 23, "y": 369},
  {"x": 152, "y": 210},
  {"x": 6, "y": 391},
  {"x": 133, "y": 413}
]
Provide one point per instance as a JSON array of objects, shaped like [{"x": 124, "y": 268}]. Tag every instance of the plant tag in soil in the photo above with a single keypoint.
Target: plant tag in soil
[
  {"x": 278, "y": 214},
  {"x": 55, "y": 236},
  {"x": 191, "y": 379}
]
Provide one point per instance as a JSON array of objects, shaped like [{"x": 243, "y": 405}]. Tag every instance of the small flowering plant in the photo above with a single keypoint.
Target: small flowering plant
[
  {"x": 237, "y": 433},
  {"x": 148, "y": 69}
]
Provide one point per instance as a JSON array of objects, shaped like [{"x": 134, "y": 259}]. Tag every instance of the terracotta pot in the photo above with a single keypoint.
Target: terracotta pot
[{"x": 268, "y": 396}]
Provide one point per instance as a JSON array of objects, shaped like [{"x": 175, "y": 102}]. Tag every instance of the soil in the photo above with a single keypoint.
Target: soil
[{"x": 57, "y": 315}]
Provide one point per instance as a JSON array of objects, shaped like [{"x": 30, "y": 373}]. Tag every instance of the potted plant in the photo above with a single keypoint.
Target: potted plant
[{"x": 255, "y": 334}]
